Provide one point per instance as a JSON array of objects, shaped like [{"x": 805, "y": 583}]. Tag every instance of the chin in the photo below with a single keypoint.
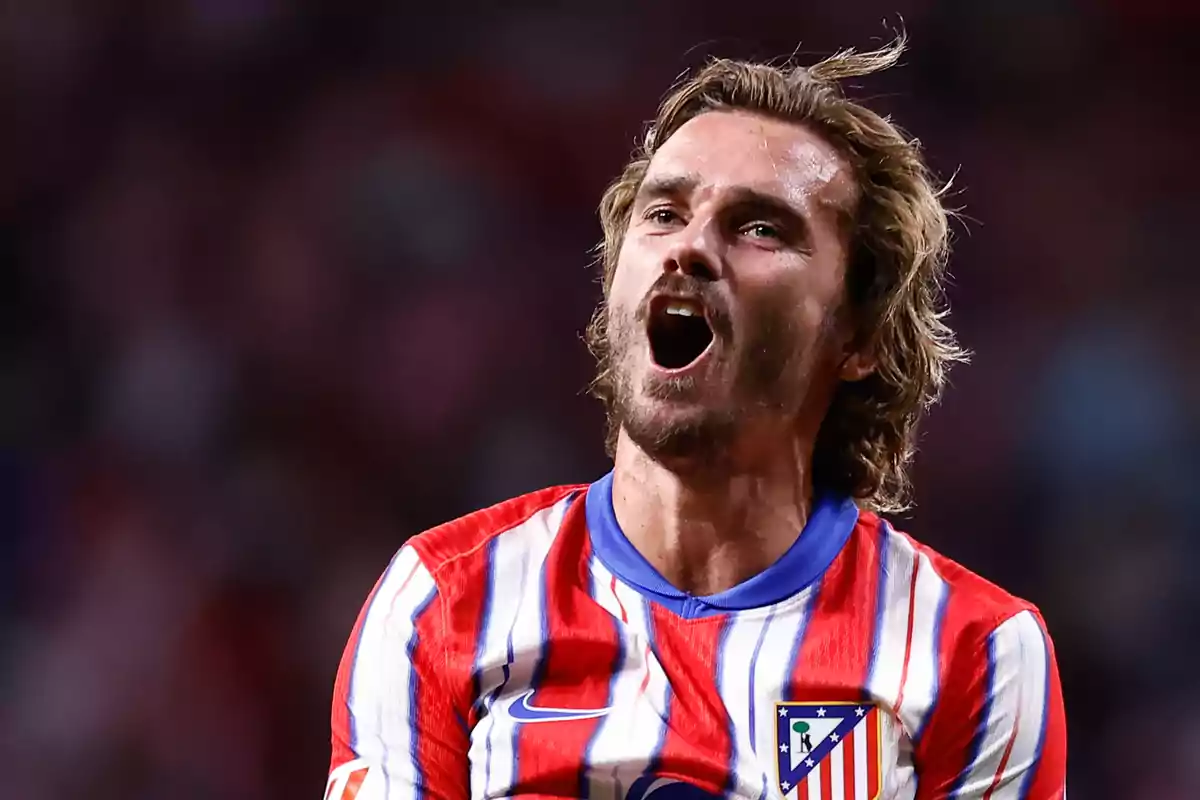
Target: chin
[{"x": 678, "y": 436}]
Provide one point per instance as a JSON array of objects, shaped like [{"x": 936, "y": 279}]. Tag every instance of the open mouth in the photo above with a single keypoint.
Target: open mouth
[{"x": 679, "y": 333}]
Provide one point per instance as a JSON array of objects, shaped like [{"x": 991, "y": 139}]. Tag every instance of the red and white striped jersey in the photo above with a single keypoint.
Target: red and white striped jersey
[{"x": 528, "y": 650}]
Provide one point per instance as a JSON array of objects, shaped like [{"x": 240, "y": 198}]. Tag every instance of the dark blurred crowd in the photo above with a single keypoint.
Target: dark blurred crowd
[{"x": 284, "y": 283}]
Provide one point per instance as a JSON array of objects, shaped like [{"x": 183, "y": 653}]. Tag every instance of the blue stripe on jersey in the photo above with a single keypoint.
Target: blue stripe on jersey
[
  {"x": 984, "y": 713},
  {"x": 937, "y": 648},
  {"x": 880, "y": 604},
  {"x": 617, "y": 665},
  {"x": 413, "y": 724},
  {"x": 1037, "y": 752},
  {"x": 828, "y": 528}
]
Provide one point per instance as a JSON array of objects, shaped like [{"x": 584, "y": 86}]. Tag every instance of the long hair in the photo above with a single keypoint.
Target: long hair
[{"x": 896, "y": 264}]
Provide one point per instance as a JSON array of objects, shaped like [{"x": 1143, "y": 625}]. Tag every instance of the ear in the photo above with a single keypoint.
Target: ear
[
  {"x": 858, "y": 348},
  {"x": 857, "y": 365}
]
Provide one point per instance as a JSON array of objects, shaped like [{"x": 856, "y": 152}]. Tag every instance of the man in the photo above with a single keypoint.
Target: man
[{"x": 724, "y": 614}]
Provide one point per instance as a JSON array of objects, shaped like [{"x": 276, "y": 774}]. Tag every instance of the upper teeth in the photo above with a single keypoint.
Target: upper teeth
[{"x": 682, "y": 308}]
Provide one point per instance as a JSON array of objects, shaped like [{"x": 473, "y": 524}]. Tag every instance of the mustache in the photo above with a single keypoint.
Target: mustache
[{"x": 716, "y": 306}]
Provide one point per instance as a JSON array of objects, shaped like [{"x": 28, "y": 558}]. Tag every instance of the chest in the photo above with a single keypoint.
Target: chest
[{"x": 617, "y": 697}]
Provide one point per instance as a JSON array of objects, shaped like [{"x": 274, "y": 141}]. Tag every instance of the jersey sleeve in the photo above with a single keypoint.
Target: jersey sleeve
[
  {"x": 395, "y": 730},
  {"x": 1000, "y": 729}
]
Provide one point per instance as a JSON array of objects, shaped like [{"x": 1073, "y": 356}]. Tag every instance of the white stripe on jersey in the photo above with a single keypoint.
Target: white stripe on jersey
[
  {"x": 627, "y": 737},
  {"x": 921, "y": 684},
  {"x": 513, "y": 625},
  {"x": 755, "y": 668},
  {"x": 1016, "y": 710},
  {"x": 904, "y": 671},
  {"x": 382, "y": 679},
  {"x": 814, "y": 785},
  {"x": 887, "y": 658},
  {"x": 860, "y": 767},
  {"x": 837, "y": 768},
  {"x": 736, "y": 664}
]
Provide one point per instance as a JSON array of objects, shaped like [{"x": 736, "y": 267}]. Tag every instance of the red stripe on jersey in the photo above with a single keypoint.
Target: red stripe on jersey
[
  {"x": 440, "y": 738},
  {"x": 834, "y": 656},
  {"x": 696, "y": 748},
  {"x": 340, "y": 712},
  {"x": 464, "y": 620},
  {"x": 827, "y": 778},
  {"x": 873, "y": 730},
  {"x": 354, "y": 783},
  {"x": 581, "y": 653},
  {"x": 612, "y": 587},
  {"x": 648, "y": 656},
  {"x": 1050, "y": 775},
  {"x": 848, "y": 764},
  {"x": 912, "y": 609},
  {"x": 962, "y": 698}
]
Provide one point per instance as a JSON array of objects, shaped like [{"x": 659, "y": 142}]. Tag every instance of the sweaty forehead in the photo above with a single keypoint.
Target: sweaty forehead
[{"x": 737, "y": 149}]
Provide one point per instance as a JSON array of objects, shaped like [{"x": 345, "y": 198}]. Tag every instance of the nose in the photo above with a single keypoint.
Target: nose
[{"x": 695, "y": 253}]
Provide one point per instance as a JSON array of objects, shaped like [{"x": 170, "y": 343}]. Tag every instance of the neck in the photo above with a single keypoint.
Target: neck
[{"x": 707, "y": 530}]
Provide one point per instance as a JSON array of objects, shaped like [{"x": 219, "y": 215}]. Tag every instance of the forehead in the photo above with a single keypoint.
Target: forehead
[{"x": 736, "y": 149}]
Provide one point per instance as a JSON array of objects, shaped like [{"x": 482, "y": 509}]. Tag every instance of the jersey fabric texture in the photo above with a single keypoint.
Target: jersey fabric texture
[{"x": 529, "y": 650}]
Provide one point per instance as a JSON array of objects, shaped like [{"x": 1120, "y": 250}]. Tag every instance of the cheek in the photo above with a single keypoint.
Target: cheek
[
  {"x": 811, "y": 312},
  {"x": 789, "y": 319},
  {"x": 799, "y": 291},
  {"x": 817, "y": 292},
  {"x": 625, "y": 290}
]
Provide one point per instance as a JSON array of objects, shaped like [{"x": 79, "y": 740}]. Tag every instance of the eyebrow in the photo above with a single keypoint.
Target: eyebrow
[{"x": 666, "y": 186}]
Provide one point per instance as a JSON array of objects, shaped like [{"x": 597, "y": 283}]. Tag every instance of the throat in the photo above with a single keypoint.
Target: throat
[
  {"x": 701, "y": 570},
  {"x": 708, "y": 539}
]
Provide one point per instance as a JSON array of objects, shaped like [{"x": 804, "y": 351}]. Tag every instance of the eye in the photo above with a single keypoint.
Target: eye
[
  {"x": 762, "y": 230},
  {"x": 661, "y": 215}
]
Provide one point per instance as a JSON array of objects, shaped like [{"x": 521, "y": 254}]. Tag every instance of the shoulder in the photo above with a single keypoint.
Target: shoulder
[
  {"x": 996, "y": 713},
  {"x": 459, "y": 548},
  {"x": 444, "y": 573},
  {"x": 970, "y": 603},
  {"x": 995, "y": 655}
]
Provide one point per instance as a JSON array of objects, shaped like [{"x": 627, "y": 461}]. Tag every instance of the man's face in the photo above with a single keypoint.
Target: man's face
[{"x": 722, "y": 308}]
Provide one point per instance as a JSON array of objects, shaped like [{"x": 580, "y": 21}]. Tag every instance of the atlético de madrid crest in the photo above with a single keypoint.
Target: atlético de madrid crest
[{"x": 829, "y": 750}]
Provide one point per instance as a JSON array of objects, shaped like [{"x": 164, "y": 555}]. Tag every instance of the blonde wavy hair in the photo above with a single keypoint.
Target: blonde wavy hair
[{"x": 895, "y": 273}]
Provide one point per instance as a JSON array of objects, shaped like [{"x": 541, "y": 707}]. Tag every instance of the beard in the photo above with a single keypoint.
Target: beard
[{"x": 766, "y": 368}]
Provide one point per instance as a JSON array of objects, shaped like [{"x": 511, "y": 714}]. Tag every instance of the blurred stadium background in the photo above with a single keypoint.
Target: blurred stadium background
[{"x": 286, "y": 282}]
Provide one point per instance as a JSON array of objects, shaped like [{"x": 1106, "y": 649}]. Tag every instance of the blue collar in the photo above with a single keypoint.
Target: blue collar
[{"x": 828, "y": 528}]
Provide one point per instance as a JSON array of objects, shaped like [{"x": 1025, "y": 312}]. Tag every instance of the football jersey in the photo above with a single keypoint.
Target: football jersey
[{"x": 529, "y": 650}]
